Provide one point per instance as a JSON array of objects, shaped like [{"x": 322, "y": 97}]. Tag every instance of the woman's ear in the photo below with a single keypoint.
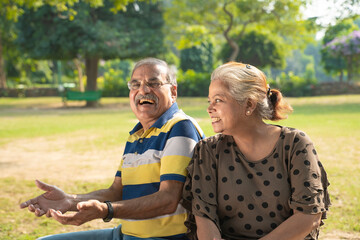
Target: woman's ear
[{"x": 250, "y": 106}]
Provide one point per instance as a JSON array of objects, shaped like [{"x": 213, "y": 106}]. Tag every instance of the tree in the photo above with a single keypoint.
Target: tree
[
  {"x": 233, "y": 19},
  {"x": 348, "y": 48},
  {"x": 335, "y": 64},
  {"x": 93, "y": 34},
  {"x": 257, "y": 49}
]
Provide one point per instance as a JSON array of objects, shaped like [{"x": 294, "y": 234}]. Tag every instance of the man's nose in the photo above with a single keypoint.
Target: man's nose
[{"x": 144, "y": 88}]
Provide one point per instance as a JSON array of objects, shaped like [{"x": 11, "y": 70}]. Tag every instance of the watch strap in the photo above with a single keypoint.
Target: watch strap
[{"x": 110, "y": 214}]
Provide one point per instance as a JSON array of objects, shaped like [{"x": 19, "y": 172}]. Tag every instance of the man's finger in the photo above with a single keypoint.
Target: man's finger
[
  {"x": 28, "y": 203},
  {"x": 69, "y": 219},
  {"x": 39, "y": 212},
  {"x": 43, "y": 186},
  {"x": 31, "y": 208}
]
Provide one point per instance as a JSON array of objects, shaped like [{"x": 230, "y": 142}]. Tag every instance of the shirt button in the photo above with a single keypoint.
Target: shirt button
[
  {"x": 141, "y": 141},
  {"x": 135, "y": 153}
]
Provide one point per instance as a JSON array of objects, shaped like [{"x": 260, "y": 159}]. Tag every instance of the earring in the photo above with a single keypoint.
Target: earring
[{"x": 248, "y": 113}]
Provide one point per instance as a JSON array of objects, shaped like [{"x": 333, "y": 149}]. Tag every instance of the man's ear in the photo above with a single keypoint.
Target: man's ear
[{"x": 173, "y": 92}]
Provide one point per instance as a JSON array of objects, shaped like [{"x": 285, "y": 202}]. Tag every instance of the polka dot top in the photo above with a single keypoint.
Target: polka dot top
[{"x": 247, "y": 200}]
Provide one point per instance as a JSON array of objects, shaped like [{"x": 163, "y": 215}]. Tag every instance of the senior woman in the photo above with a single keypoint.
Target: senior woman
[{"x": 253, "y": 180}]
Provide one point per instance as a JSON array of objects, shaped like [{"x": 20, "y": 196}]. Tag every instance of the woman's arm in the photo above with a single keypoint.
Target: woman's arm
[
  {"x": 206, "y": 229},
  {"x": 296, "y": 227}
]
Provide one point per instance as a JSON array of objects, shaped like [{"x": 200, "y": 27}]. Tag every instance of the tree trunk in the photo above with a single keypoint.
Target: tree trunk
[
  {"x": 230, "y": 41},
  {"x": 341, "y": 77},
  {"x": 349, "y": 69},
  {"x": 2, "y": 67},
  {"x": 91, "y": 69},
  {"x": 80, "y": 74}
]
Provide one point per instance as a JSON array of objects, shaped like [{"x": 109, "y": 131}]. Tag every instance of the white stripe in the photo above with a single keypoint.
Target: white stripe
[
  {"x": 179, "y": 210},
  {"x": 134, "y": 160},
  {"x": 180, "y": 146}
]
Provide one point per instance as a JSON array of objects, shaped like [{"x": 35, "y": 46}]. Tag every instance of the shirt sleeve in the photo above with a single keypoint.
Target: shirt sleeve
[
  {"x": 178, "y": 151},
  {"x": 309, "y": 183},
  {"x": 200, "y": 189}
]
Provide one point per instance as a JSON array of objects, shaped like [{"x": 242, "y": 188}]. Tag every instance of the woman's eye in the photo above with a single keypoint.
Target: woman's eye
[{"x": 217, "y": 100}]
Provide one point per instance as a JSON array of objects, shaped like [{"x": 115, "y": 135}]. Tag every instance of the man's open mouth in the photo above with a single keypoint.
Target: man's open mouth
[{"x": 146, "y": 101}]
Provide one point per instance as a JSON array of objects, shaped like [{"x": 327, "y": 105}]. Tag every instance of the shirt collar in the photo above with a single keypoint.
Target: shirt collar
[{"x": 161, "y": 121}]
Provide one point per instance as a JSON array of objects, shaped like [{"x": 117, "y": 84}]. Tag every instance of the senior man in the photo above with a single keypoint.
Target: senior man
[{"x": 148, "y": 185}]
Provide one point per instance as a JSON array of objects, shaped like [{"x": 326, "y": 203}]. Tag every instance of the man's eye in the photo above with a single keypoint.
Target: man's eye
[
  {"x": 154, "y": 84},
  {"x": 135, "y": 84}
]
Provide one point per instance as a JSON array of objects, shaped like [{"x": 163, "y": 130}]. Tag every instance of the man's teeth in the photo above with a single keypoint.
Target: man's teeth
[
  {"x": 215, "y": 119},
  {"x": 146, "y": 101}
]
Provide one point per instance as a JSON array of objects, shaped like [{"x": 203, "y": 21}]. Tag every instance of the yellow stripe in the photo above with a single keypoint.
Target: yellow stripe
[
  {"x": 156, "y": 131},
  {"x": 174, "y": 164},
  {"x": 142, "y": 174},
  {"x": 160, "y": 227}
]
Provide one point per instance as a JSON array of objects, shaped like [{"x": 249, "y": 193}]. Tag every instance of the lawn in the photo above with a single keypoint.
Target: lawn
[{"x": 79, "y": 149}]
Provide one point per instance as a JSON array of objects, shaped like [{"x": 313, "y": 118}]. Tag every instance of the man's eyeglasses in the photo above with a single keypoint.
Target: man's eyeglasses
[{"x": 135, "y": 85}]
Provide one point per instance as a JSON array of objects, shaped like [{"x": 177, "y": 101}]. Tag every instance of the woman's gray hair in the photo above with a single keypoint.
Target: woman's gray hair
[
  {"x": 246, "y": 82},
  {"x": 170, "y": 75}
]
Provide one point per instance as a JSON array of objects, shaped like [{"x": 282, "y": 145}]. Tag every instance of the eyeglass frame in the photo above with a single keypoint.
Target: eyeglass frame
[{"x": 148, "y": 84}]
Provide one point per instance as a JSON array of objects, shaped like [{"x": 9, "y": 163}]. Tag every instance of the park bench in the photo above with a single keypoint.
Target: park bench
[{"x": 81, "y": 96}]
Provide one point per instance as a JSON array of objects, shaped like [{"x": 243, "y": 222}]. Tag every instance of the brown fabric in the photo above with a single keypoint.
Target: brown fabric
[{"x": 247, "y": 200}]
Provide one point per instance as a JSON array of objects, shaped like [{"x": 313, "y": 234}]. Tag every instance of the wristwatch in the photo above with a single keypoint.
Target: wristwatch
[{"x": 110, "y": 214}]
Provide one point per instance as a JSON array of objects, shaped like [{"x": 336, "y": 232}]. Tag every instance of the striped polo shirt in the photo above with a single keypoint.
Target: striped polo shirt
[{"x": 160, "y": 153}]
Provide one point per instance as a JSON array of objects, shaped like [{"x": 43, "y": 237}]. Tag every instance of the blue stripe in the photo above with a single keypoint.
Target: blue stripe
[
  {"x": 118, "y": 174},
  {"x": 139, "y": 190},
  {"x": 184, "y": 128},
  {"x": 176, "y": 177}
]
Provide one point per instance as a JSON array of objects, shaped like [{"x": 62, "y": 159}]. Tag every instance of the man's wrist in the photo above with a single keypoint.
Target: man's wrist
[{"x": 110, "y": 212}]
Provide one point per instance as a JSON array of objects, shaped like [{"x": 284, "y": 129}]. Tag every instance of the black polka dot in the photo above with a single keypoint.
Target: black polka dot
[
  {"x": 238, "y": 181},
  {"x": 259, "y": 218},
  {"x": 226, "y": 151},
  {"x": 296, "y": 140},
  {"x": 279, "y": 176},
  {"x": 258, "y": 193},
  {"x": 224, "y": 179},
  {"x": 306, "y": 184},
  {"x": 231, "y": 168},
  {"x": 265, "y": 205},
  {"x": 247, "y": 226},
  {"x": 240, "y": 198},
  {"x": 250, "y": 176},
  {"x": 201, "y": 161},
  {"x": 265, "y": 161},
  {"x": 217, "y": 156},
  {"x": 197, "y": 206},
  {"x": 240, "y": 215},
  {"x": 266, "y": 183},
  {"x": 272, "y": 214},
  {"x": 314, "y": 175},
  {"x": 251, "y": 206},
  {"x": 207, "y": 209},
  {"x": 273, "y": 225},
  {"x": 213, "y": 166},
  {"x": 320, "y": 165},
  {"x": 226, "y": 197},
  {"x": 229, "y": 144},
  {"x": 271, "y": 169},
  {"x": 292, "y": 189},
  {"x": 187, "y": 188},
  {"x": 208, "y": 178},
  {"x": 314, "y": 151},
  {"x": 298, "y": 152},
  {"x": 276, "y": 155},
  {"x": 252, "y": 165},
  {"x": 237, "y": 160},
  {"x": 276, "y": 193},
  {"x": 211, "y": 195},
  {"x": 307, "y": 163},
  {"x": 228, "y": 208},
  {"x": 287, "y": 147},
  {"x": 198, "y": 190},
  {"x": 279, "y": 207},
  {"x": 259, "y": 232},
  {"x": 259, "y": 174},
  {"x": 315, "y": 210},
  {"x": 213, "y": 146},
  {"x": 296, "y": 171},
  {"x": 189, "y": 198},
  {"x": 300, "y": 209}
]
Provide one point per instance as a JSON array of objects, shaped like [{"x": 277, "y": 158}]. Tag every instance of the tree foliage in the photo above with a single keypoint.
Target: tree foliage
[{"x": 93, "y": 34}]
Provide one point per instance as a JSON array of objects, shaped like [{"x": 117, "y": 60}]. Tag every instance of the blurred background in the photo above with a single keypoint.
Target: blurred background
[{"x": 305, "y": 47}]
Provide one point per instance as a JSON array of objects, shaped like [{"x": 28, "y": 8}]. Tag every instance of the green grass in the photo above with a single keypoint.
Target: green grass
[{"x": 333, "y": 123}]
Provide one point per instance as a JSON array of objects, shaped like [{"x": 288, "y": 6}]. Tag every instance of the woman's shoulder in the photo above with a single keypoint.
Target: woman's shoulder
[
  {"x": 293, "y": 135},
  {"x": 212, "y": 140}
]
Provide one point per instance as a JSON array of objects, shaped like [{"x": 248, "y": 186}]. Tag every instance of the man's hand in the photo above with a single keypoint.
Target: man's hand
[
  {"x": 53, "y": 198},
  {"x": 88, "y": 211}
]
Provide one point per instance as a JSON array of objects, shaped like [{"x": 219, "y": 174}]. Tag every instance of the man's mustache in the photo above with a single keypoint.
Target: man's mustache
[{"x": 146, "y": 97}]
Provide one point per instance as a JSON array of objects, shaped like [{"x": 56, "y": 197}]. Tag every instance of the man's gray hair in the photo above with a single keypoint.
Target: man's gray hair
[{"x": 170, "y": 75}]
